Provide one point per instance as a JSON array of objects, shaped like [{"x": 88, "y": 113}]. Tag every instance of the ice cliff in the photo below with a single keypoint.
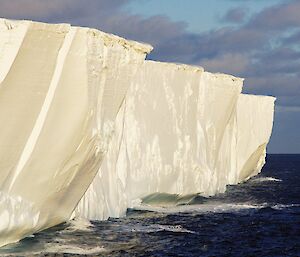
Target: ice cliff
[
  {"x": 180, "y": 130},
  {"x": 61, "y": 88},
  {"x": 78, "y": 105}
]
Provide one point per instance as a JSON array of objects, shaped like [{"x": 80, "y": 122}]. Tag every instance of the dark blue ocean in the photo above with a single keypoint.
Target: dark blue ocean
[{"x": 258, "y": 218}]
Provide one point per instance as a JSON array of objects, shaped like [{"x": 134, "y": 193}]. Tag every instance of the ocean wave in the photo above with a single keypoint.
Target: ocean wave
[
  {"x": 164, "y": 199},
  {"x": 284, "y": 206},
  {"x": 73, "y": 249},
  {"x": 265, "y": 179},
  {"x": 79, "y": 224},
  {"x": 157, "y": 228},
  {"x": 212, "y": 207},
  {"x": 202, "y": 208}
]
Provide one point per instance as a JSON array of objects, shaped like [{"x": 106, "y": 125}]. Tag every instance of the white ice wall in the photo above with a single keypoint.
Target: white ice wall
[
  {"x": 254, "y": 127},
  {"x": 171, "y": 137},
  {"x": 60, "y": 90},
  {"x": 180, "y": 130}
]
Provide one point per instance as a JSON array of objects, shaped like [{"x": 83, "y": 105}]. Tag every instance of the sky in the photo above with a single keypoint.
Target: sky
[{"x": 258, "y": 40}]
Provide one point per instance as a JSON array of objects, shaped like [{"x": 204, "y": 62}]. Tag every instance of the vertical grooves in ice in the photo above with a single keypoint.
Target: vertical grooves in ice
[{"x": 46, "y": 105}]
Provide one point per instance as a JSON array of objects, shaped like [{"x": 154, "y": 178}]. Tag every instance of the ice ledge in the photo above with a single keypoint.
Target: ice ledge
[{"x": 108, "y": 38}]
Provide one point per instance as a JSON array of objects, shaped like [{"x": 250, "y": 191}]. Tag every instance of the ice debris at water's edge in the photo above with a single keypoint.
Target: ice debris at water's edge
[{"x": 66, "y": 92}]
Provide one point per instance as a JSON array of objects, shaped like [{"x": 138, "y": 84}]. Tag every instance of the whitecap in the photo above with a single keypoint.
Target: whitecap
[
  {"x": 202, "y": 208},
  {"x": 81, "y": 224},
  {"x": 157, "y": 228},
  {"x": 72, "y": 249},
  {"x": 284, "y": 206},
  {"x": 265, "y": 179}
]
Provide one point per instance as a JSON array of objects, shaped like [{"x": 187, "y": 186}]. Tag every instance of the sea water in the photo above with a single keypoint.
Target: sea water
[{"x": 260, "y": 217}]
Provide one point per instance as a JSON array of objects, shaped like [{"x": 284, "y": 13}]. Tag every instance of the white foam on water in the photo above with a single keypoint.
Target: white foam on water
[
  {"x": 214, "y": 207},
  {"x": 72, "y": 249},
  {"x": 23, "y": 254},
  {"x": 265, "y": 179},
  {"x": 81, "y": 224},
  {"x": 157, "y": 228},
  {"x": 202, "y": 208},
  {"x": 176, "y": 228},
  {"x": 284, "y": 206},
  {"x": 64, "y": 248}
]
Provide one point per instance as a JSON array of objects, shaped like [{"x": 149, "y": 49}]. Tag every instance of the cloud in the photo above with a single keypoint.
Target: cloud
[
  {"x": 232, "y": 63},
  {"x": 29, "y": 8},
  {"x": 278, "y": 17},
  {"x": 285, "y": 135},
  {"x": 292, "y": 39},
  {"x": 235, "y": 15},
  {"x": 57, "y": 9},
  {"x": 281, "y": 60}
]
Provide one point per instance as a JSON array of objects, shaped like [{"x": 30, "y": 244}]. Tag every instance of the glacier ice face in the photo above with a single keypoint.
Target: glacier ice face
[
  {"x": 61, "y": 88},
  {"x": 255, "y": 112},
  {"x": 180, "y": 130},
  {"x": 245, "y": 138},
  {"x": 78, "y": 105}
]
